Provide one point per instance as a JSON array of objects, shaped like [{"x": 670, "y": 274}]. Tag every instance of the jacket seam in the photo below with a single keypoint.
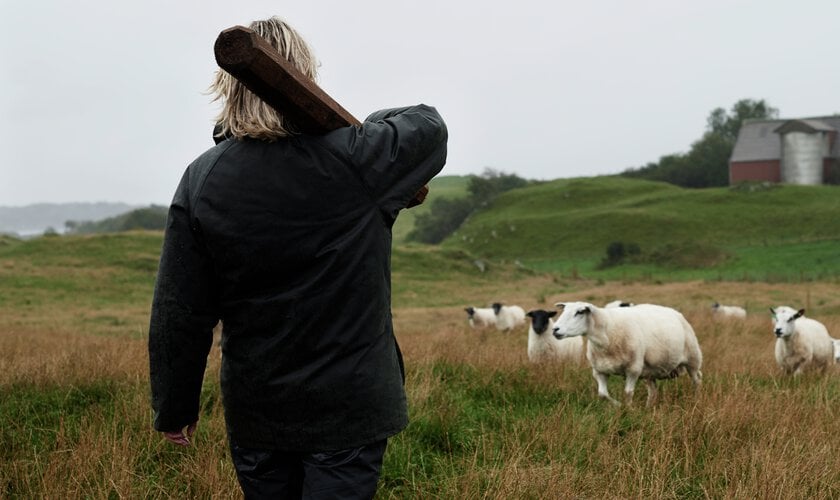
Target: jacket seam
[
  {"x": 203, "y": 175},
  {"x": 357, "y": 174}
]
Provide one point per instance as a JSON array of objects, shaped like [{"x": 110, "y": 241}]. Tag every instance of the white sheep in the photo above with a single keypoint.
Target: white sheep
[
  {"x": 801, "y": 343},
  {"x": 645, "y": 341},
  {"x": 481, "y": 317},
  {"x": 720, "y": 311},
  {"x": 508, "y": 317},
  {"x": 544, "y": 346},
  {"x": 619, "y": 303},
  {"x": 837, "y": 351}
]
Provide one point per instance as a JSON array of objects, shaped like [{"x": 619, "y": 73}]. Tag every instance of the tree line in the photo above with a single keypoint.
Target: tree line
[
  {"x": 706, "y": 164},
  {"x": 152, "y": 217},
  {"x": 445, "y": 215}
]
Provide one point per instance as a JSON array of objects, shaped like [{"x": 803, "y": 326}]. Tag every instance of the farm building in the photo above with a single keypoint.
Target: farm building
[{"x": 793, "y": 151}]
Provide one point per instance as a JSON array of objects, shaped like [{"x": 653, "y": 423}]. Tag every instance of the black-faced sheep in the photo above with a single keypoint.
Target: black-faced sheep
[
  {"x": 481, "y": 316},
  {"x": 720, "y": 311},
  {"x": 543, "y": 346},
  {"x": 508, "y": 317}
]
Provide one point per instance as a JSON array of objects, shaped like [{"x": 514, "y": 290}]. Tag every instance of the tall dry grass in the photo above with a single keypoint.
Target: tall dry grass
[
  {"x": 750, "y": 433},
  {"x": 486, "y": 423}
]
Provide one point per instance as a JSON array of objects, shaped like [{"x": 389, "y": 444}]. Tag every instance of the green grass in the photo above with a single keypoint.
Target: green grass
[
  {"x": 578, "y": 218},
  {"x": 97, "y": 275},
  {"x": 787, "y": 262}
]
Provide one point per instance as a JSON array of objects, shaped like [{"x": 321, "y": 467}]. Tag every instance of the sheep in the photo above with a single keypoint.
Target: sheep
[
  {"x": 508, "y": 317},
  {"x": 546, "y": 347},
  {"x": 481, "y": 317},
  {"x": 837, "y": 351},
  {"x": 619, "y": 303},
  {"x": 801, "y": 343},
  {"x": 645, "y": 341},
  {"x": 720, "y": 311}
]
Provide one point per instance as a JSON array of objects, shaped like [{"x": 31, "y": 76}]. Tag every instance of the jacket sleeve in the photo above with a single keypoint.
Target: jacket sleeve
[
  {"x": 183, "y": 315},
  {"x": 397, "y": 151}
]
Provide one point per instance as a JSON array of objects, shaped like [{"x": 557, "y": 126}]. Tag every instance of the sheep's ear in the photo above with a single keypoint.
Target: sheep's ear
[
  {"x": 552, "y": 314},
  {"x": 560, "y": 305},
  {"x": 530, "y": 314},
  {"x": 587, "y": 310},
  {"x": 799, "y": 313},
  {"x": 773, "y": 312}
]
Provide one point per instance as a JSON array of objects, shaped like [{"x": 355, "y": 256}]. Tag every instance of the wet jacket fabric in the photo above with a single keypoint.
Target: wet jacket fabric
[{"x": 289, "y": 242}]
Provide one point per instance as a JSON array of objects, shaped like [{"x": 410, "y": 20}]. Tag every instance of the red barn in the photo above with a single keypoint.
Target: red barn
[{"x": 793, "y": 151}]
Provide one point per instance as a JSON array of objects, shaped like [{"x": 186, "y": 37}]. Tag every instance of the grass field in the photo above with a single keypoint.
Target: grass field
[{"x": 75, "y": 420}]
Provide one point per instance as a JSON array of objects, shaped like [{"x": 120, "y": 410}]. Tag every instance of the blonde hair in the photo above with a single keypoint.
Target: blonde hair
[{"x": 244, "y": 114}]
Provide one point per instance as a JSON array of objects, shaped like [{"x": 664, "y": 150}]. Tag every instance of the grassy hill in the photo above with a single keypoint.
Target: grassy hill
[
  {"x": 570, "y": 222},
  {"x": 447, "y": 186}
]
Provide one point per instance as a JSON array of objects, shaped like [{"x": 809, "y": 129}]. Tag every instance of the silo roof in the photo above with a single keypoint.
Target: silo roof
[{"x": 808, "y": 125}]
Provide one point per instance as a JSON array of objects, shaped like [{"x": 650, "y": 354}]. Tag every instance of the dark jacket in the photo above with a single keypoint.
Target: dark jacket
[{"x": 289, "y": 243}]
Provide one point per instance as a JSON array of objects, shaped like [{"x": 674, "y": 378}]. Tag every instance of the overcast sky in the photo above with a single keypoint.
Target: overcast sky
[{"x": 105, "y": 100}]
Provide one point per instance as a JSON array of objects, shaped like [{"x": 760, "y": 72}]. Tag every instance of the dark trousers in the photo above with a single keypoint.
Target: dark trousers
[{"x": 344, "y": 474}]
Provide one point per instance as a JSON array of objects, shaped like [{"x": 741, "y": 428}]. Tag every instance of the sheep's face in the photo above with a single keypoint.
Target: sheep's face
[
  {"x": 574, "y": 319},
  {"x": 784, "y": 320},
  {"x": 540, "y": 320},
  {"x": 470, "y": 311}
]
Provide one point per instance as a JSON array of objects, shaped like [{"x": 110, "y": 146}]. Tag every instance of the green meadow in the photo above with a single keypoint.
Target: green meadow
[{"x": 75, "y": 420}]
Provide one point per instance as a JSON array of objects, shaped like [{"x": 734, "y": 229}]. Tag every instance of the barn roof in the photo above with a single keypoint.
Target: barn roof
[{"x": 759, "y": 139}]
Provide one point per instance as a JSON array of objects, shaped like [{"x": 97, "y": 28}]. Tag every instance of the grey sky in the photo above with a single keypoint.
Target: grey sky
[{"x": 104, "y": 100}]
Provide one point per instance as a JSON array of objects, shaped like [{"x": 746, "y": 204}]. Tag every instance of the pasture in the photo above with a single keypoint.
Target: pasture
[{"x": 75, "y": 420}]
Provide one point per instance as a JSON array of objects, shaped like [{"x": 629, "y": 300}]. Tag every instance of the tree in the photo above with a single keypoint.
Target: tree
[
  {"x": 491, "y": 183},
  {"x": 727, "y": 125},
  {"x": 445, "y": 215},
  {"x": 707, "y": 162}
]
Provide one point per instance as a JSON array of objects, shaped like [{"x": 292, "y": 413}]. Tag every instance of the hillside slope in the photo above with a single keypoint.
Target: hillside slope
[
  {"x": 580, "y": 217},
  {"x": 445, "y": 186}
]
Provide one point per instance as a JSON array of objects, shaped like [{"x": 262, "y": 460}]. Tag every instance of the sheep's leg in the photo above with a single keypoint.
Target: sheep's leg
[
  {"x": 696, "y": 378},
  {"x": 797, "y": 369},
  {"x": 603, "y": 393},
  {"x": 653, "y": 392},
  {"x": 630, "y": 380}
]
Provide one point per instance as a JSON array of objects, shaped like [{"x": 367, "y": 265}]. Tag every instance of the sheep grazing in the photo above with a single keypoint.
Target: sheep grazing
[
  {"x": 481, "y": 317},
  {"x": 645, "y": 341},
  {"x": 543, "y": 346},
  {"x": 801, "y": 343},
  {"x": 508, "y": 317},
  {"x": 619, "y": 303},
  {"x": 720, "y": 311}
]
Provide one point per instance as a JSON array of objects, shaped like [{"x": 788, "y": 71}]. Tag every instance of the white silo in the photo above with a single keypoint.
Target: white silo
[{"x": 804, "y": 146}]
